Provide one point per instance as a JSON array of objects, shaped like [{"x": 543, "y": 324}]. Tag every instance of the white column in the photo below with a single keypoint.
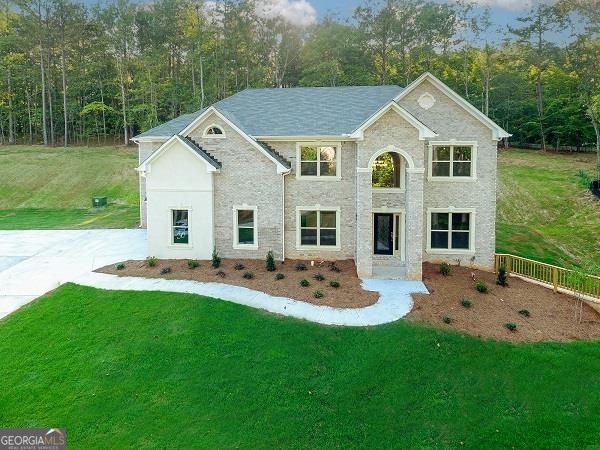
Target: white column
[
  {"x": 364, "y": 223},
  {"x": 414, "y": 222}
]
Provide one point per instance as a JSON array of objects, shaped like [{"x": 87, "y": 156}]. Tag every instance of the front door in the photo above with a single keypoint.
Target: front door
[{"x": 383, "y": 234}]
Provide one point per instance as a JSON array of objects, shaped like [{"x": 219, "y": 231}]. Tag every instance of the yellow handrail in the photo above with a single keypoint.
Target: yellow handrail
[{"x": 555, "y": 277}]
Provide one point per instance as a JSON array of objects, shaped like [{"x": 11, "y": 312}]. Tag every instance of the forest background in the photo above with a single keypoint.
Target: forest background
[{"x": 76, "y": 74}]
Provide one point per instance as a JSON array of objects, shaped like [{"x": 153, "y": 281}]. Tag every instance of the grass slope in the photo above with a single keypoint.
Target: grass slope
[
  {"x": 543, "y": 212},
  {"x": 157, "y": 370},
  {"x": 53, "y": 187}
]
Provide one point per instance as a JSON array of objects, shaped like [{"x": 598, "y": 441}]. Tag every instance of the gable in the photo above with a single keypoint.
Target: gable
[{"x": 438, "y": 106}]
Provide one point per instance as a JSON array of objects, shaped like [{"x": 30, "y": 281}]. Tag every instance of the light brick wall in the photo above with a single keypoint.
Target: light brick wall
[
  {"x": 247, "y": 177},
  {"x": 451, "y": 121}
]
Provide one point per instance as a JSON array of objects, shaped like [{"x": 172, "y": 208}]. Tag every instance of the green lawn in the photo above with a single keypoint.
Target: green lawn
[
  {"x": 51, "y": 188},
  {"x": 158, "y": 370},
  {"x": 543, "y": 211}
]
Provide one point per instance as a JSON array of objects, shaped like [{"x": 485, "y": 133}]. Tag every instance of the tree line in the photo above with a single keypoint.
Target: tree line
[{"x": 73, "y": 74}]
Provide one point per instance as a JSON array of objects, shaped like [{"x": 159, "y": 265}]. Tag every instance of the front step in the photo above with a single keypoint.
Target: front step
[{"x": 389, "y": 272}]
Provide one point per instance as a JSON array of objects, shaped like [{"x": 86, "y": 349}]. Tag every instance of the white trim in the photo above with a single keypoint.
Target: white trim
[
  {"x": 319, "y": 247},
  {"x": 162, "y": 139},
  {"x": 207, "y": 135},
  {"x": 452, "y": 251},
  {"x": 236, "y": 244},
  {"x": 172, "y": 242},
  {"x": 451, "y": 144},
  {"x": 424, "y": 131},
  {"x": 497, "y": 132},
  {"x": 146, "y": 165},
  {"x": 338, "y": 161},
  {"x": 212, "y": 110},
  {"x": 393, "y": 148}
]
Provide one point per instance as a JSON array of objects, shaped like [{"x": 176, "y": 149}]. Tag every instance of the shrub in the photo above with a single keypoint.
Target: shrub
[
  {"x": 511, "y": 326},
  {"x": 445, "y": 268},
  {"x": 248, "y": 275},
  {"x": 318, "y": 276},
  {"x": 318, "y": 294},
  {"x": 300, "y": 267},
  {"x": 481, "y": 286},
  {"x": 270, "y": 262},
  {"x": 165, "y": 270},
  {"x": 466, "y": 302},
  {"x": 304, "y": 282},
  {"x": 239, "y": 266},
  {"x": 502, "y": 278},
  {"x": 524, "y": 312},
  {"x": 221, "y": 274},
  {"x": 334, "y": 268},
  {"x": 334, "y": 284},
  {"x": 216, "y": 259},
  {"x": 446, "y": 318},
  {"x": 120, "y": 266},
  {"x": 279, "y": 276},
  {"x": 151, "y": 261},
  {"x": 192, "y": 263}
]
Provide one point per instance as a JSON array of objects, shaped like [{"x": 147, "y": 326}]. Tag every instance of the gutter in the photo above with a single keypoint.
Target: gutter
[{"x": 283, "y": 174}]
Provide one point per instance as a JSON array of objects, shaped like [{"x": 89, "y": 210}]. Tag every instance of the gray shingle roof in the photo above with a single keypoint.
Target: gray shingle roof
[{"x": 315, "y": 111}]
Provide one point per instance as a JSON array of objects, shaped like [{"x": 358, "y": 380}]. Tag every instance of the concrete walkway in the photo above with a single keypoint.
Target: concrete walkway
[{"x": 35, "y": 262}]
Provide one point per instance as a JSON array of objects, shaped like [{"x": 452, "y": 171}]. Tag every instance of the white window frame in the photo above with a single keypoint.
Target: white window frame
[
  {"x": 452, "y": 178},
  {"x": 451, "y": 210},
  {"x": 338, "y": 161},
  {"x": 172, "y": 242},
  {"x": 318, "y": 208},
  {"x": 236, "y": 243},
  {"x": 207, "y": 135}
]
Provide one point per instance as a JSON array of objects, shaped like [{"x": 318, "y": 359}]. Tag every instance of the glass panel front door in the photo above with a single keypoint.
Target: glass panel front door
[{"x": 384, "y": 234}]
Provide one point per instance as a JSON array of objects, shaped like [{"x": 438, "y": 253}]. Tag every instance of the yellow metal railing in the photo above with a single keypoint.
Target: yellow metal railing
[{"x": 555, "y": 277}]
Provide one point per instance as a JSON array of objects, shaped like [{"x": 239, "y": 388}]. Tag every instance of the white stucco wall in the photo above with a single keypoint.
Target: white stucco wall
[{"x": 178, "y": 179}]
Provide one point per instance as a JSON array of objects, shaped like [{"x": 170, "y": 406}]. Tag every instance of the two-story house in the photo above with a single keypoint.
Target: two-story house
[{"x": 389, "y": 177}]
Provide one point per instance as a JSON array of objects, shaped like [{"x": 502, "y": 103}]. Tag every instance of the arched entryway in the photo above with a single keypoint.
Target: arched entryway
[{"x": 388, "y": 192}]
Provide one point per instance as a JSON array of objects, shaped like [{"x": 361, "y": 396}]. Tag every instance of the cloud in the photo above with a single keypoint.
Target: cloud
[
  {"x": 513, "y": 5},
  {"x": 297, "y": 12}
]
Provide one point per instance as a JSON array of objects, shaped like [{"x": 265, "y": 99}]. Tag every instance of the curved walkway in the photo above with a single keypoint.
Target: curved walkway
[{"x": 35, "y": 262}]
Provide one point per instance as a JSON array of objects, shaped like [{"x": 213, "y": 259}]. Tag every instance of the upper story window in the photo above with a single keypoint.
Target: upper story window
[
  {"x": 452, "y": 160},
  {"x": 388, "y": 172},
  {"x": 321, "y": 161},
  {"x": 214, "y": 131}
]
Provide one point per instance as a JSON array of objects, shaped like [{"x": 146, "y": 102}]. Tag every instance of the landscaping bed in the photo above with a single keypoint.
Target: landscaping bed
[{"x": 548, "y": 317}]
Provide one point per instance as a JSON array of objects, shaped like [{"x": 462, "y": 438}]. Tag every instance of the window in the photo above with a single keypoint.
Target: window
[
  {"x": 180, "y": 226},
  {"x": 214, "y": 131},
  {"x": 388, "y": 171},
  {"x": 318, "y": 228},
  {"x": 450, "y": 231},
  {"x": 244, "y": 227},
  {"x": 452, "y": 160},
  {"x": 318, "y": 161}
]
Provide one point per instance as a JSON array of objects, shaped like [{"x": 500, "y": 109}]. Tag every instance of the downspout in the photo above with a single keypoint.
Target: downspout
[{"x": 283, "y": 174}]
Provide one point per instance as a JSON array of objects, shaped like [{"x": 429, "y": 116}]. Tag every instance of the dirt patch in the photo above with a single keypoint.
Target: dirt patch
[
  {"x": 552, "y": 317},
  {"x": 349, "y": 294}
]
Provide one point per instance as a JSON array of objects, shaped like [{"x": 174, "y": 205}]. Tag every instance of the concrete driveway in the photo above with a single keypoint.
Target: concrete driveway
[{"x": 34, "y": 262}]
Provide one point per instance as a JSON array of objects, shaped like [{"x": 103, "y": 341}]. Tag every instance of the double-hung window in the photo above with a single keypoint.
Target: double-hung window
[
  {"x": 244, "y": 229},
  {"x": 320, "y": 161},
  {"x": 180, "y": 226},
  {"x": 318, "y": 228},
  {"x": 452, "y": 160},
  {"x": 450, "y": 230}
]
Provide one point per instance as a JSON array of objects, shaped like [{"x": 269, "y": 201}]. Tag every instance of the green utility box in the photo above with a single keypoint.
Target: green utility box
[{"x": 98, "y": 201}]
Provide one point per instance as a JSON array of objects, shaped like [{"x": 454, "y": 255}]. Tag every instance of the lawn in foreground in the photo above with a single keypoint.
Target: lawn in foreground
[{"x": 160, "y": 370}]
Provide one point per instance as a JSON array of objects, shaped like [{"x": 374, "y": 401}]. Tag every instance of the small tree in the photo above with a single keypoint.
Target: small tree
[
  {"x": 216, "y": 259},
  {"x": 502, "y": 278},
  {"x": 270, "y": 262}
]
